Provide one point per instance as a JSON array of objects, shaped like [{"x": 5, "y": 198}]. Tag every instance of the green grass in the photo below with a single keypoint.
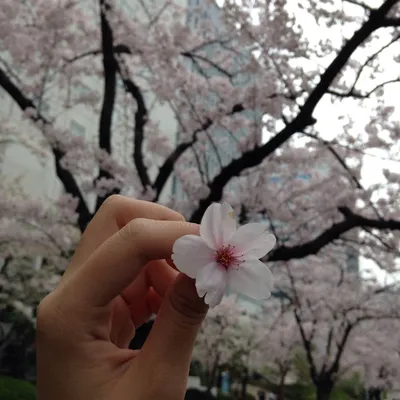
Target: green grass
[{"x": 15, "y": 389}]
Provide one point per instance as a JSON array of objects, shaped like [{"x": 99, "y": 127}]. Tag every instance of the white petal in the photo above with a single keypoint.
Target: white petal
[
  {"x": 252, "y": 237},
  {"x": 217, "y": 225},
  {"x": 252, "y": 278},
  {"x": 190, "y": 253},
  {"x": 214, "y": 298},
  {"x": 261, "y": 246},
  {"x": 228, "y": 225},
  {"x": 211, "y": 278}
]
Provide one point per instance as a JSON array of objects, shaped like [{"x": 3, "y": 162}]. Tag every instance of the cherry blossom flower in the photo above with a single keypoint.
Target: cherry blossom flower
[{"x": 224, "y": 256}]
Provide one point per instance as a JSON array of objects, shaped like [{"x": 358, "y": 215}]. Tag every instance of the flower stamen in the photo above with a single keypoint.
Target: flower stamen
[{"x": 226, "y": 257}]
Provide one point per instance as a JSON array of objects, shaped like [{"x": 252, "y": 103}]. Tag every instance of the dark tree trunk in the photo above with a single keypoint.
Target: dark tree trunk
[
  {"x": 219, "y": 379},
  {"x": 375, "y": 394},
  {"x": 245, "y": 381},
  {"x": 212, "y": 374},
  {"x": 281, "y": 390},
  {"x": 210, "y": 380},
  {"x": 324, "y": 390}
]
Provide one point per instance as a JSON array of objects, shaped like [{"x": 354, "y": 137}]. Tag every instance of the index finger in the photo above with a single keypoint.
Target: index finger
[
  {"x": 119, "y": 260},
  {"x": 112, "y": 216}
]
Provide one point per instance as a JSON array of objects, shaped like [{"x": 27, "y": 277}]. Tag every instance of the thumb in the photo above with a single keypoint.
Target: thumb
[{"x": 171, "y": 340}]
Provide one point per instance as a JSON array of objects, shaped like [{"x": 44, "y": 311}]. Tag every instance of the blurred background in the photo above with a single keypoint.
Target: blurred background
[{"x": 286, "y": 109}]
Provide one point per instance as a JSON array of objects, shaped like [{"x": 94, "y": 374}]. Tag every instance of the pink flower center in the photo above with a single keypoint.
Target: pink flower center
[{"x": 226, "y": 257}]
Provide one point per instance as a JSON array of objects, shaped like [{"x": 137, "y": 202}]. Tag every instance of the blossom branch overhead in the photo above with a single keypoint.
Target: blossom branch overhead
[
  {"x": 351, "y": 221},
  {"x": 303, "y": 119},
  {"x": 211, "y": 108}
]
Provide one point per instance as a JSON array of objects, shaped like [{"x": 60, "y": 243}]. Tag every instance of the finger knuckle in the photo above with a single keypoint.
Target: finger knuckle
[
  {"x": 175, "y": 215},
  {"x": 47, "y": 314},
  {"x": 112, "y": 202},
  {"x": 136, "y": 227},
  {"x": 133, "y": 233}
]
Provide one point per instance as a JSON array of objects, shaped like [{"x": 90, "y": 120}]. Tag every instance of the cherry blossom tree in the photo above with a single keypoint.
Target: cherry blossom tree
[
  {"x": 248, "y": 356},
  {"x": 281, "y": 108},
  {"x": 31, "y": 233},
  {"x": 216, "y": 342},
  {"x": 376, "y": 357},
  {"x": 29, "y": 230},
  {"x": 280, "y": 344},
  {"x": 346, "y": 325},
  {"x": 257, "y": 70},
  {"x": 230, "y": 339}
]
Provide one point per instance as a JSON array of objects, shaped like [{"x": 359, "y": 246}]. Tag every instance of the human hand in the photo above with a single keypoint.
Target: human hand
[{"x": 117, "y": 278}]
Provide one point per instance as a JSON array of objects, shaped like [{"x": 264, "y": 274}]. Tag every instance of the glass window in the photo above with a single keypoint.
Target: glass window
[{"x": 303, "y": 176}]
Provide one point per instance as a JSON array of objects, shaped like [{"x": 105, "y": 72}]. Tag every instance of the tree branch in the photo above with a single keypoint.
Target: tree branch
[
  {"x": 193, "y": 57},
  {"x": 168, "y": 166},
  {"x": 371, "y": 58},
  {"x": 118, "y": 49},
  {"x": 141, "y": 118},
  {"x": 123, "y": 49},
  {"x": 351, "y": 221},
  {"x": 65, "y": 176},
  {"x": 307, "y": 347},
  {"x": 141, "y": 115},
  {"x": 358, "y": 95},
  {"x": 304, "y": 118},
  {"x": 110, "y": 80},
  {"x": 359, "y": 4},
  {"x": 391, "y": 22},
  {"x": 341, "y": 346},
  {"x": 344, "y": 165}
]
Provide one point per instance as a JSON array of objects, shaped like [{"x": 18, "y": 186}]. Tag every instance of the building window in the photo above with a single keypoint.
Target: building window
[
  {"x": 304, "y": 177},
  {"x": 77, "y": 129},
  {"x": 352, "y": 261},
  {"x": 275, "y": 179}
]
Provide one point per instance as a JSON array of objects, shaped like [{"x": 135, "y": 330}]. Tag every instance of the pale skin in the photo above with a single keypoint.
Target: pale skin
[{"x": 117, "y": 278}]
